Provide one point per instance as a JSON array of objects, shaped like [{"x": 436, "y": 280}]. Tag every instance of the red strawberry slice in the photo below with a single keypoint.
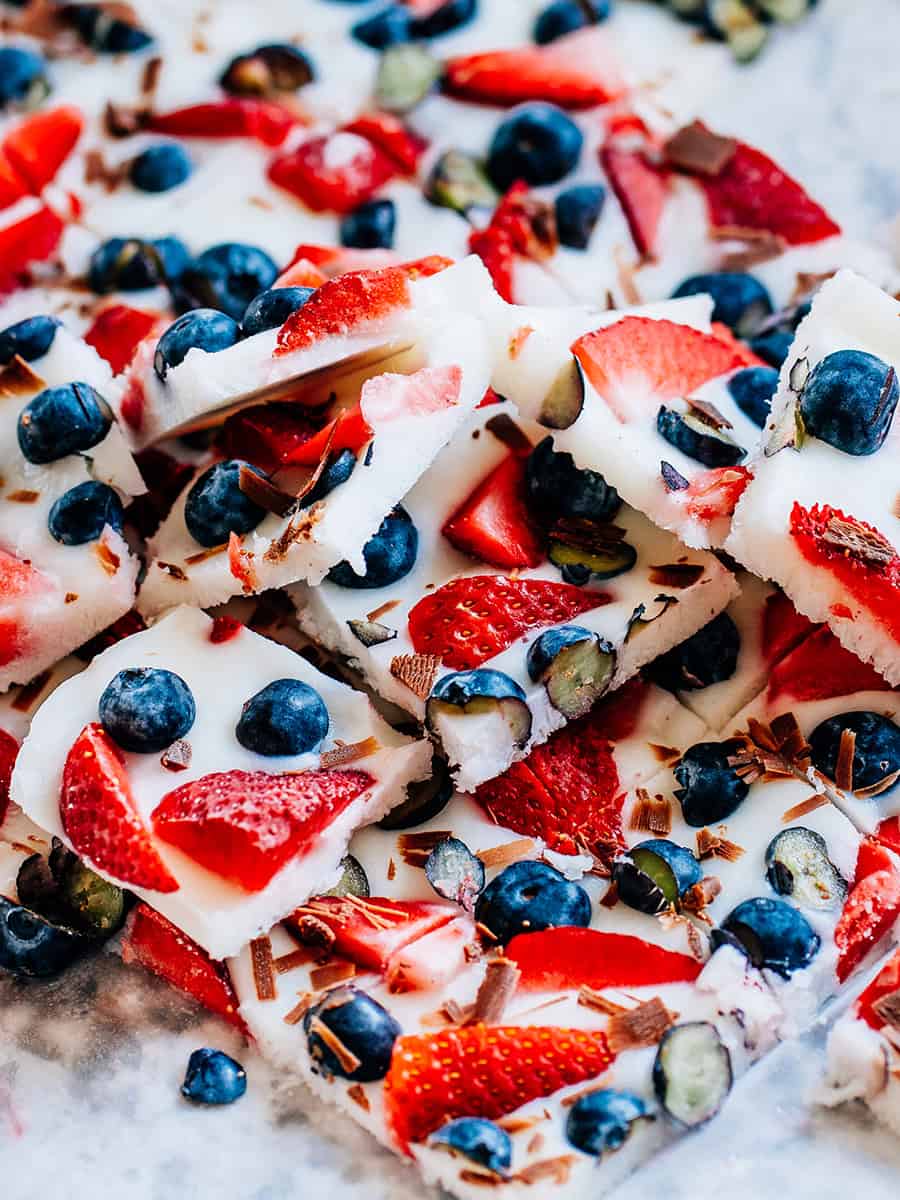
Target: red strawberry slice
[
  {"x": 570, "y": 957},
  {"x": 888, "y": 833},
  {"x": 471, "y": 619},
  {"x": 886, "y": 982},
  {"x": 432, "y": 961},
  {"x": 267, "y": 434},
  {"x": 869, "y": 912},
  {"x": 753, "y": 192},
  {"x": 333, "y": 173},
  {"x": 641, "y": 189},
  {"x": 567, "y": 790},
  {"x": 496, "y": 250},
  {"x": 20, "y": 583},
  {"x": 301, "y": 273},
  {"x": 483, "y": 1071},
  {"x": 389, "y": 134},
  {"x": 38, "y": 146},
  {"x": 714, "y": 494},
  {"x": 9, "y": 748},
  {"x": 345, "y": 305},
  {"x": 783, "y": 627},
  {"x": 246, "y": 825},
  {"x": 873, "y": 856},
  {"x": 33, "y": 239},
  {"x": 330, "y": 261},
  {"x": 100, "y": 818},
  {"x": 820, "y": 668},
  {"x": 392, "y": 397},
  {"x": 12, "y": 186},
  {"x": 117, "y": 331},
  {"x": 349, "y": 430},
  {"x": 493, "y": 524},
  {"x": 371, "y": 931},
  {"x": 575, "y": 71},
  {"x": 260, "y": 119},
  {"x": 158, "y": 946}
]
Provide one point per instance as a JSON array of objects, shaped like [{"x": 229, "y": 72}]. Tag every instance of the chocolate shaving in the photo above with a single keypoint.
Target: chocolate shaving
[
  {"x": 509, "y": 852},
  {"x": 348, "y": 1060},
  {"x": 300, "y": 1009},
  {"x": 698, "y": 151},
  {"x": 177, "y": 757},
  {"x": 536, "y": 1143},
  {"x": 888, "y": 1009},
  {"x": 97, "y": 170},
  {"x": 843, "y": 770},
  {"x": 759, "y": 246},
  {"x": 676, "y": 575},
  {"x": 501, "y": 978},
  {"x": 299, "y": 528},
  {"x": 70, "y": 597},
  {"x": 881, "y": 785},
  {"x": 263, "y": 968},
  {"x": 556, "y": 1169},
  {"x": 699, "y": 897},
  {"x": 511, "y": 435},
  {"x": 663, "y": 754},
  {"x": 715, "y": 845},
  {"x": 172, "y": 570},
  {"x": 858, "y": 542},
  {"x": 709, "y": 413},
  {"x": 640, "y": 1026},
  {"x": 805, "y": 806},
  {"x": 381, "y": 610},
  {"x": 590, "y": 998},
  {"x": 18, "y": 379},
  {"x": 357, "y": 1093},
  {"x": 598, "y": 537},
  {"x": 203, "y": 555},
  {"x": 349, "y": 752},
  {"x": 694, "y": 941},
  {"x": 652, "y": 814},
  {"x": 470, "y": 1175},
  {"x": 391, "y": 870},
  {"x": 674, "y": 480},
  {"x": 265, "y": 493},
  {"x": 330, "y": 973},
  {"x": 107, "y": 558},
  {"x": 293, "y": 959},
  {"x": 414, "y": 848},
  {"x": 514, "y": 1124},
  {"x": 416, "y": 671},
  {"x": 313, "y": 931}
]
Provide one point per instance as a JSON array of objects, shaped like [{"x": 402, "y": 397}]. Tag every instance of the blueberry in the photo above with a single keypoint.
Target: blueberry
[
  {"x": 227, "y": 276},
  {"x": 146, "y": 709},
  {"x": 160, "y": 168},
  {"x": 752, "y": 390},
  {"x": 772, "y": 347},
  {"x": 106, "y": 33},
  {"x": 876, "y": 750},
  {"x": 338, "y": 469},
  {"x": 62, "y": 889},
  {"x": 529, "y": 896},
  {"x": 711, "y": 790},
  {"x": 353, "y": 881},
  {"x": 370, "y": 226},
  {"x": 363, "y": 1028},
  {"x": 478, "y": 1140},
  {"x": 709, "y": 656},
  {"x": 34, "y": 947},
  {"x": 455, "y": 872},
  {"x": 62, "y": 420},
  {"x": 390, "y": 27},
  {"x": 425, "y": 798},
  {"x": 479, "y": 692},
  {"x": 22, "y": 76},
  {"x": 270, "y": 309},
  {"x": 174, "y": 256},
  {"x": 698, "y": 439},
  {"x": 126, "y": 265},
  {"x": 538, "y": 143},
  {"x": 201, "y": 328},
  {"x": 565, "y": 16},
  {"x": 269, "y": 69},
  {"x": 739, "y": 300},
  {"x": 797, "y": 865},
  {"x": 692, "y": 1073},
  {"x": 450, "y": 15},
  {"x": 849, "y": 401},
  {"x": 556, "y": 488},
  {"x": 654, "y": 875},
  {"x": 216, "y": 507},
  {"x": 29, "y": 339},
  {"x": 82, "y": 513},
  {"x": 771, "y": 933},
  {"x": 285, "y": 717},
  {"x": 577, "y": 211},
  {"x": 575, "y": 666},
  {"x": 213, "y": 1077},
  {"x": 389, "y": 554},
  {"x": 601, "y": 1121}
]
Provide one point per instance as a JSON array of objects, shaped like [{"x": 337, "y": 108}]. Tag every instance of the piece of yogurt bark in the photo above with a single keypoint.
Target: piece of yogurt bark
[
  {"x": 820, "y": 517},
  {"x": 219, "y": 819},
  {"x": 530, "y": 593},
  {"x": 67, "y": 472}
]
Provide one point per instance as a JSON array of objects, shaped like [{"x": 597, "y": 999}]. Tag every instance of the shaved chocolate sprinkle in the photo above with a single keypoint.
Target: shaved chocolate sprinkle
[
  {"x": 506, "y": 431},
  {"x": 107, "y": 558},
  {"x": 265, "y": 493},
  {"x": 203, "y": 555},
  {"x": 674, "y": 480},
  {"x": 348, "y": 1060},
  {"x": 349, "y": 752},
  {"x": 501, "y": 978},
  {"x": 590, "y": 998},
  {"x": 697, "y": 150},
  {"x": 653, "y": 814},
  {"x": 888, "y": 1009},
  {"x": 24, "y": 496},
  {"x": 509, "y": 852},
  {"x": 381, "y": 610},
  {"x": 676, "y": 575},
  {"x": 640, "y": 1026},
  {"x": 556, "y": 1169},
  {"x": 699, "y": 897},
  {"x": 18, "y": 379},
  {"x": 293, "y": 959},
  {"x": 263, "y": 968},
  {"x": 716, "y": 845},
  {"x": 805, "y": 806},
  {"x": 330, "y": 973},
  {"x": 881, "y": 785},
  {"x": 858, "y": 542},
  {"x": 709, "y": 413},
  {"x": 170, "y": 569},
  {"x": 357, "y": 1093},
  {"x": 843, "y": 771},
  {"x": 416, "y": 671},
  {"x": 414, "y": 848}
]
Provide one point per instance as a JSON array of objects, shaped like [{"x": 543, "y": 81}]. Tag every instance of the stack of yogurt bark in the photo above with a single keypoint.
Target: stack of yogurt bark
[{"x": 474, "y": 675}]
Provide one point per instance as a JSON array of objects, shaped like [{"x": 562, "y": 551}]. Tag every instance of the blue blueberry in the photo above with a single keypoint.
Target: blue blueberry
[
  {"x": 477, "y": 692},
  {"x": 876, "y": 751},
  {"x": 82, "y": 513},
  {"x": 338, "y": 469},
  {"x": 174, "y": 256},
  {"x": 216, "y": 507},
  {"x": 270, "y": 309},
  {"x": 710, "y": 790},
  {"x": 692, "y": 1073},
  {"x": 447, "y": 17},
  {"x": 797, "y": 865},
  {"x": 286, "y": 717},
  {"x": 709, "y": 656},
  {"x": 227, "y": 277},
  {"x": 62, "y": 420},
  {"x": 654, "y": 875},
  {"x": 105, "y": 33},
  {"x": 132, "y": 264},
  {"x": 29, "y": 339},
  {"x": 529, "y": 896},
  {"x": 22, "y": 76},
  {"x": 361, "y": 1025},
  {"x": 697, "y": 438},
  {"x": 201, "y": 328},
  {"x": 146, "y": 709},
  {"x": 478, "y": 1140},
  {"x": 32, "y": 946},
  {"x": 739, "y": 300},
  {"x": 771, "y": 933},
  {"x": 160, "y": 168},
  {"x": 389, "y": 27},
  {"x": 600, "y": 1122},
  {"x": 538, "y": 143},
  {"x": 849, "y": 401},
  {"x": 772, "y": 347},
  {"x": 389, "y": 555},
  {"x": 213, "y": 1077},
  {"x": 752, "y": 390},
  {"x": 425, "y": 798},
  {"x": 370, "y": 226},
  {"x": 555, "y": 488},
  {"x": 565, "y": 16},
  {"x": 274, "y": 67},
  {"x": 578, "y": 210},
  {"x": 574, "y": 665}
]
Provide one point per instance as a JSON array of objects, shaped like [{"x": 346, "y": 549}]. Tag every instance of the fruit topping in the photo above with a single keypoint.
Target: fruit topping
[
  {"x": 752, "y": 390},
  {"x": 132, "y": 264},
  {"x": 692, "y": 1073},
  {"x": 81, "y": 514},
  {"x": 390, "y": 27},
  {"x": 870, "y": 911},
  {"x": 9, "y": 749},
  {"x": 575, "y": 665},
  {"x": 406, "y": 74},
  {"x": 62, "y": 420},
  {"x": 117, "y": 331},
  {"x": 868, "y": 741},
  {"x": 581, "y": 549},
  {"x": 160, "y": 168},
  {"x": 530, "y": 896},
  {"x": 493, "y": 524},
  {"x": 105, "y": 32},
  {"x": 350, "y": 1035},
  {"x": 481, "y": 692},
  {"x": 654, "y": 875},
  {"x": 480, "y": 1142},
  {"x": 849, "y": 401},
  {"x": 425, "y": 798},
  {"x": 389, "y": 555},
  {"x": 563, "y": 401},
  {"x": 458, "y": 181},
  {"x": 343, "y": 304},
  {"x": 234, "y": 117},
  {"x": 370, "y": 226},
  {"x": 66, "y": 892},
  {"x": 641, "y": 189},
  {"x": 287, "y": 716},
  {"x": 454, "y": 872},
  {"x": 213, "y": 1077},
  {"x": 557, "y": 489},
  {"x": 601, "y": 1122},
  {"x": 538, "y": 144},
  {"x": 565, "y": 958},
  {"x": 268, "y": 70},
  {"x": 695, "y": 435},
  {"x": 740, "y": 301},
  {"x": 798, "y": 866},
  {"x": 707, "y": 657},
  {"x": 216, "y": 506},
  {"x": 29, "y": 339},
  {"x": 333, "y": 173},
  {"x": 23, "y": 79},
  {"x": 203, "y": 329},
  {"x": 227, "y": 277},
  {"x": 772, "y": 935},
  {"x": 270, "y": 309},
  {"x": 372, "y": 935},
  {"x": 578, "y": 210},
  {"x": 146, "y": 709},
  {"x": 32, "y": 946},
  {"x": 711, "y": 789},
  {"x": 31, "y": 240},
  {"x": 353, "y": 881}
]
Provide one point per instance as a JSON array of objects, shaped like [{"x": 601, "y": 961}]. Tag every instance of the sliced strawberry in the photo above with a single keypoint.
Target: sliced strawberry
[
  {"x": 641, "y": 189},
  {"x": 493, "y": 524},
  {"x": 9, "y": 748},
  {"x": 392, "y": 397},
  {"x": 12, "y": 186},
  {"x": 345, "y": 305},
  {"x": 489, "y": 398},
  {"x": 260, "y": 119},
  {"x": 370, "y": 931},
  {"x": 301, "y": 273},
  {"x": 117, "y": 332},
  {"x": 349, "y": 430},
  {"x": 267, "y": 434},
  {"x": 724, "y": 334},
  {"x": 869, "y": 912},
  {"x": 19, "y": 583},
  {"x": 33, "y": 239},
  {"x": 331, "y": 261},
  {"x": 246, "y": 825},
  {"x": 873, "y": 856},
  {"x": 885, "y": 983},
  {"x": 888, "y": 833},
  {"x": 390, "y": 135},
  {"x": 483, "y": 1071},
  {"x": 714, "y": 494},
  {"x": 39, "y": 145},
  {"x": 783, "y": 627},
  {"x": 753, "y": 192},
  {"x": 100, "y": 817},
  {"x": 820, "y": 668},
  {"x": 240, "y": 564},
  {"x": 434, "y": 960},
  {"x": 571, "y": 957},
  {"x": 496, "y": 250},
  {"x": 473, "y": 618},
  {"x": 158, "y": 946},
  {"x": 334, "y": 172},
  {"x": 521, "y": 225},
  {"x": 575, "y": 71},
  {"x": 224, "y": 629},
  {"x": 640, "y": 362}
]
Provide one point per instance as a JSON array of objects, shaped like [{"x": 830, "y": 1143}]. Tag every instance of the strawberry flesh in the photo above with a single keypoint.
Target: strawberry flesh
[
  {"x": 33, "y": 239},
  {"x": 260, "y": 119},
  {"x": 344, "y": 305},
  {"x": 117, "y": 331},
  {"x": 641, "y": 189},
  {"x": 571, "y": 957},
  {"x": 820, "y": 668},
  {"x": 493, "y": 524},
  {"x": 9, "y": 748},
  {"x": 333, "y": 173},
  {"x": 39, "y": 145},
  {"x": 369, "y": 932},
  {"x": 869, "y": 912}
]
